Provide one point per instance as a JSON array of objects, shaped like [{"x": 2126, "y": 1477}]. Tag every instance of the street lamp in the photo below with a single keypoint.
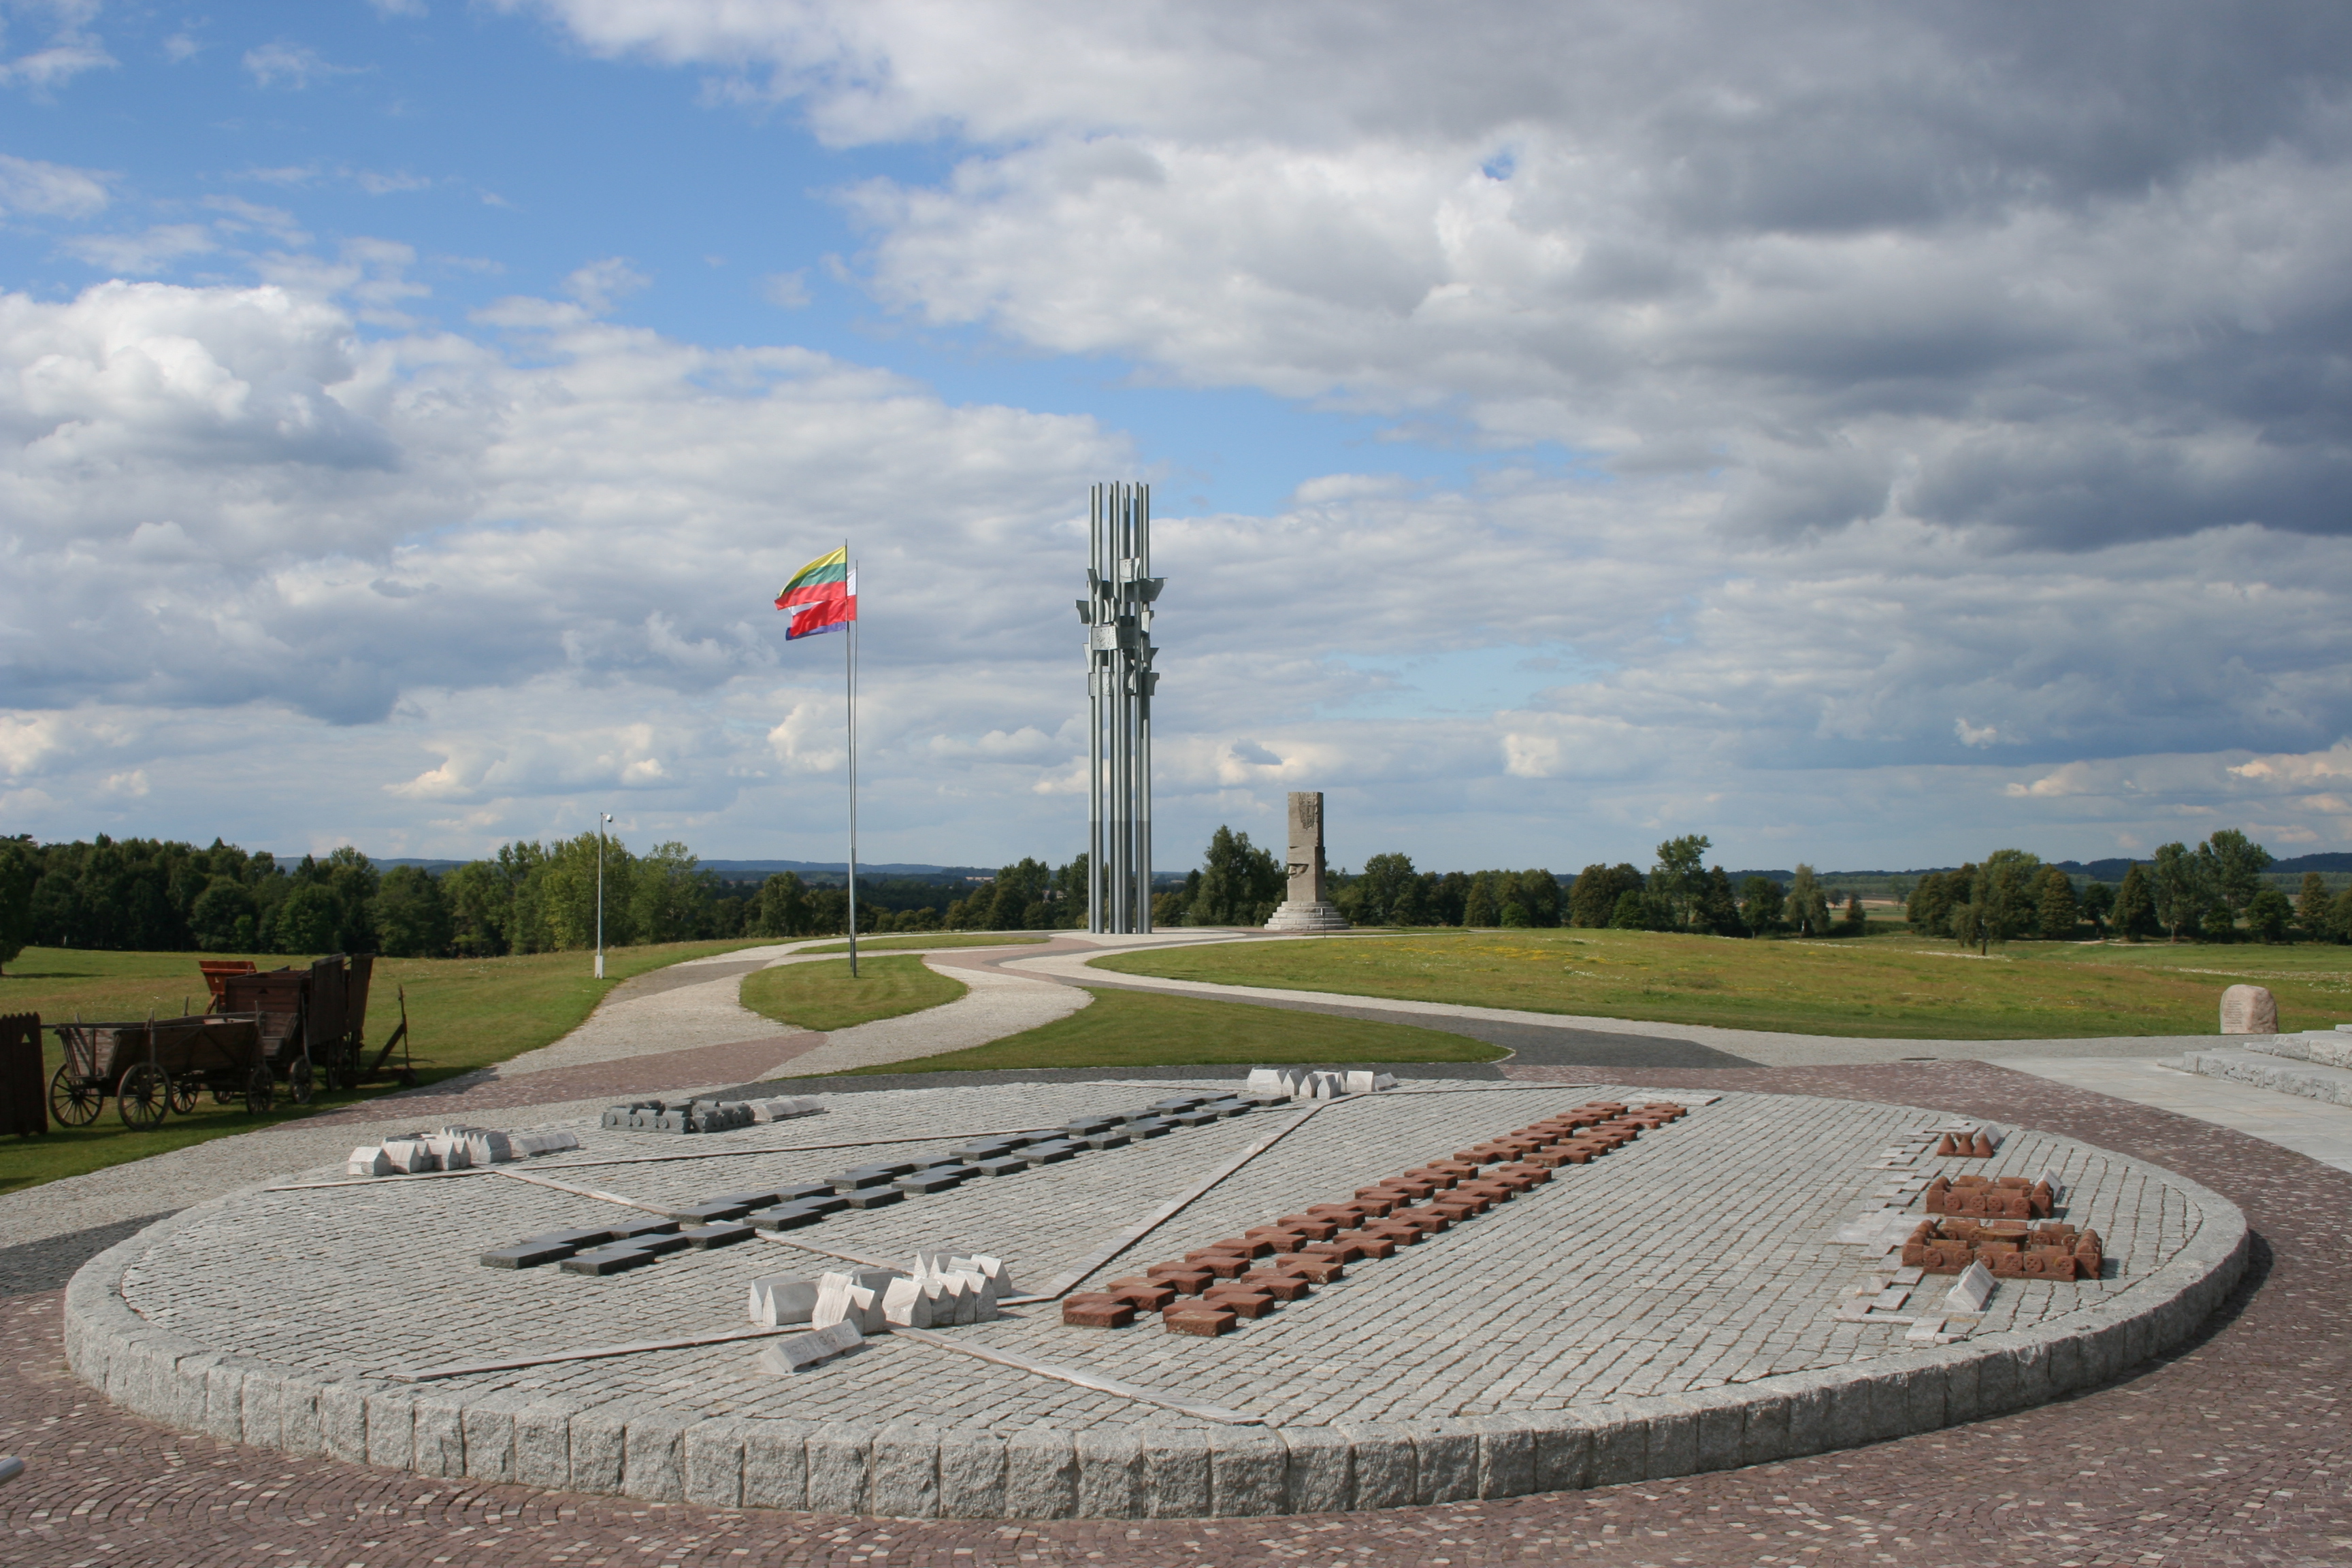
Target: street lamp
[{"x": 601, "y": 819}]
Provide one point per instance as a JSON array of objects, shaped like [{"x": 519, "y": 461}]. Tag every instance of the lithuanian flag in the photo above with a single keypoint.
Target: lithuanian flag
[{"x": 822, "y": 595}]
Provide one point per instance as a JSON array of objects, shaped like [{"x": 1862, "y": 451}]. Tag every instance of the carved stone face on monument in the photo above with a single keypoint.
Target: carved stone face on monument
[{"x": 1306, "y": 865}]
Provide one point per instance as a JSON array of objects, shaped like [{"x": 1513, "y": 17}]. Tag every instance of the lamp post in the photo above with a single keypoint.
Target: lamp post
[{"x": 601, "y": 819}]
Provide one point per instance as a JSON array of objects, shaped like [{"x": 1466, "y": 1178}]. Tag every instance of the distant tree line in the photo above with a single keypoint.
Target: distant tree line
[
  {"x": 1240, "y": 884},
  {"x": 166, "y": 895},
  {"x": 2211, "y": 893}
]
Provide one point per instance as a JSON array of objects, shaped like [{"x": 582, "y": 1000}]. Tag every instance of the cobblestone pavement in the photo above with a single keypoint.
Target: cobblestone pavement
[
  {"x": 2228, "y": 1452},
  {"x": 1700, "y": 1255}
]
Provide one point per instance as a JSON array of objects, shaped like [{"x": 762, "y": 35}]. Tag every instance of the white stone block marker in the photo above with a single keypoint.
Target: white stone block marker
[
  {"x": 368, "y": 1160},
  {"x": 842, "y": 1300},
  {"x": 781, "y": 1300},
  {"x": 798, "y": 1352},
  {"x": 1971, "y": 1291}
]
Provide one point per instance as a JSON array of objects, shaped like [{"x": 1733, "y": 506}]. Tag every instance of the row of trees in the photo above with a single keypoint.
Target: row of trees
[
  {"x": 530, "y": 897},
  {"x": 2214, "y": 892}
]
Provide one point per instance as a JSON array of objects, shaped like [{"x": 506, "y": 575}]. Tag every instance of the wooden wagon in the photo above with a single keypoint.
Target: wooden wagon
[
  {"x": 157, "y": 1066},
  {"x": 313, "y": 1021}
]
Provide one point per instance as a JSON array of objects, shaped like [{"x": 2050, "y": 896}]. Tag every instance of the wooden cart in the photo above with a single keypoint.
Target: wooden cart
[
  {"x": 159, "y": 1066},
  {"x": 314, "y": 1021}
]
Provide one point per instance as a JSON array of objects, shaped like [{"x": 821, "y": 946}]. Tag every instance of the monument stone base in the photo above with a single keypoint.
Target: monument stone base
[{"x": 1294, "y": 915}]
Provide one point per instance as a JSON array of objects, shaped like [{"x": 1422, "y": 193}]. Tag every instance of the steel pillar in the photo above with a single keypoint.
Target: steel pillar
[{"x": 1117, "y": 612}]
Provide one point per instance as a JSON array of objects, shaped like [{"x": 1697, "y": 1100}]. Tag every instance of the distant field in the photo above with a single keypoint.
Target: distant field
[
  {"x": 823, "y": 996},
  {"x": 866, "y": 944},
  {"x": 462, "y": 1014},
  {"x": 1893, "y": 985},
  {"x": 1145, "y": 1028}
]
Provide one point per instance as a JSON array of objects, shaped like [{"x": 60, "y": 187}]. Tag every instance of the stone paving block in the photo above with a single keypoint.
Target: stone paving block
[
  {"x": 775, "y": 1464},
  {"x": 1672, "y": 1446},
  {"x": 1962, "y": 1372},
  {"x": 1110, "y": 1472},
  {"x": 1175, "y": 1472},
  {"x": 1319, "y": 1472},
  {"x": 653, "y": 1456},
  {"x": 713, "y": 1459},
  {"x": 391, "y": 1429},
  {"x": 488, "y": 1430},
  {"x": 342, "y": 1422},
  {"x": 838, "y": 1452},
  {"x": 224, "y": 1409},
  {"x": 440, "y": 1437},
  {"x": 1383, "y": 1462},
  {"x": 904, "y": 1476},
  {"x": 1851, "y": 1416},
  {"x": 971, "y": 1470},
  {"x": 542, "y": 1439},
  {"x": 1246, "y": 1468},
  {"x": 599, "y": 1440},
  {"x": 1563, "y": 1453},
  {"x": 1722, "y": 1423},
  {"x": 261, "y": 1401},
  {"x": 1621, "y": 1446},
  {"x": 1764, "y": 1428},
  {"x": 299, "y": 1409},
  {"x": 1507, "y": 1455},
  {"x": 1445, "y": 1461}
]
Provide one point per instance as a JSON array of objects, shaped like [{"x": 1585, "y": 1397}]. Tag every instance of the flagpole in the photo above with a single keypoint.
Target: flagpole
[{"x": 849, "y": 664}]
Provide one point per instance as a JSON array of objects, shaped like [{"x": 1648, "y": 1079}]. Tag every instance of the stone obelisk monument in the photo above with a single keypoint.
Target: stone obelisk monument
[{"x": 1306, "y": 909}]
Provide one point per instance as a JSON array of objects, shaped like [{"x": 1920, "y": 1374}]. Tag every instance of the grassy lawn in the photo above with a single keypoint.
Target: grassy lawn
[
  {"x": 1144, "y": 1028},
  {"x": 866, "y": 944},
  {"x": 1892, "y": 985},
  {"x": 462, "y": 1014},
  {"x": 823, "y": 996}
]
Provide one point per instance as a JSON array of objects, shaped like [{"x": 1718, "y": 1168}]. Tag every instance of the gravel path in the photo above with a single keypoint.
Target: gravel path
[{"x": 998, "y": 1003}]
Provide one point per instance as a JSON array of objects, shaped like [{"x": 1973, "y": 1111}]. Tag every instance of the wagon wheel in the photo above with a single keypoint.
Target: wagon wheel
[
  {"x": 222, "y": 1094},
  {"x": 260, "y": 1089},
  {"x": 75, "y": 1101},
  {"x": 299, "y": 1085},
  {"x": 184, "y": 1089},
  {"x": 143, "y": 1096}
]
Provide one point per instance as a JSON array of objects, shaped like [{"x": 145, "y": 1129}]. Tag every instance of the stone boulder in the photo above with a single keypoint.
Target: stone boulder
[{"x": 2249, "y": 1010}]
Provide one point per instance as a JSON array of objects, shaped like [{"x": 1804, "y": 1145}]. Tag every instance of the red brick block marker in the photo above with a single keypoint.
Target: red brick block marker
[
  {"x": 1208, "y": 1322},
  {"x": 1095, "y": 1311}
]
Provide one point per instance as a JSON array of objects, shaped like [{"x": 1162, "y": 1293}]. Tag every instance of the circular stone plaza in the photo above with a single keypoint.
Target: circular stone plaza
[{"x": 1935, "y": 1310}]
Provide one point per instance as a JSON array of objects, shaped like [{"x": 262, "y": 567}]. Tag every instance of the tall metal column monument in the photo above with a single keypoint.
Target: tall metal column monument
[{"x": 1117, "y": 611}]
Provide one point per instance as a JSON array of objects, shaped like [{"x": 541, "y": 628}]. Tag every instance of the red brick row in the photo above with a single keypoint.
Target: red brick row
[
  {"x": 1989, "y": 1197},
  {"x": 2009, "y": 1248},
  {"x": 1214, "y": 1287}
]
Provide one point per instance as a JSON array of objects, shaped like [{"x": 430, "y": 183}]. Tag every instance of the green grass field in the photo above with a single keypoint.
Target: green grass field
[
  {"x": 1892, "y": 985},
  {"x": 823, "y": 996},
  {"x": 1145, "y": 1028},
  {"x": 866, "y": 944},
  {"x": 462, "y": 1014}
]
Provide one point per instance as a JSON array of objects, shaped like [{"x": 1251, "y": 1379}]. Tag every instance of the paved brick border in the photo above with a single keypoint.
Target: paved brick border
[{"x": 904, "y": 1471}]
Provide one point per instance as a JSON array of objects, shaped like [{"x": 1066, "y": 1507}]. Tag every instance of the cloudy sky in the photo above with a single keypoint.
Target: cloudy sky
[{"x": 1867, "y": 435}]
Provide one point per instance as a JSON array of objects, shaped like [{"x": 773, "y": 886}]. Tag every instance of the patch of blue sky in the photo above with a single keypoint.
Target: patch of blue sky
[
  {"x": 1471, "y": 683},
  {"x": 508, "y": 161}
]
